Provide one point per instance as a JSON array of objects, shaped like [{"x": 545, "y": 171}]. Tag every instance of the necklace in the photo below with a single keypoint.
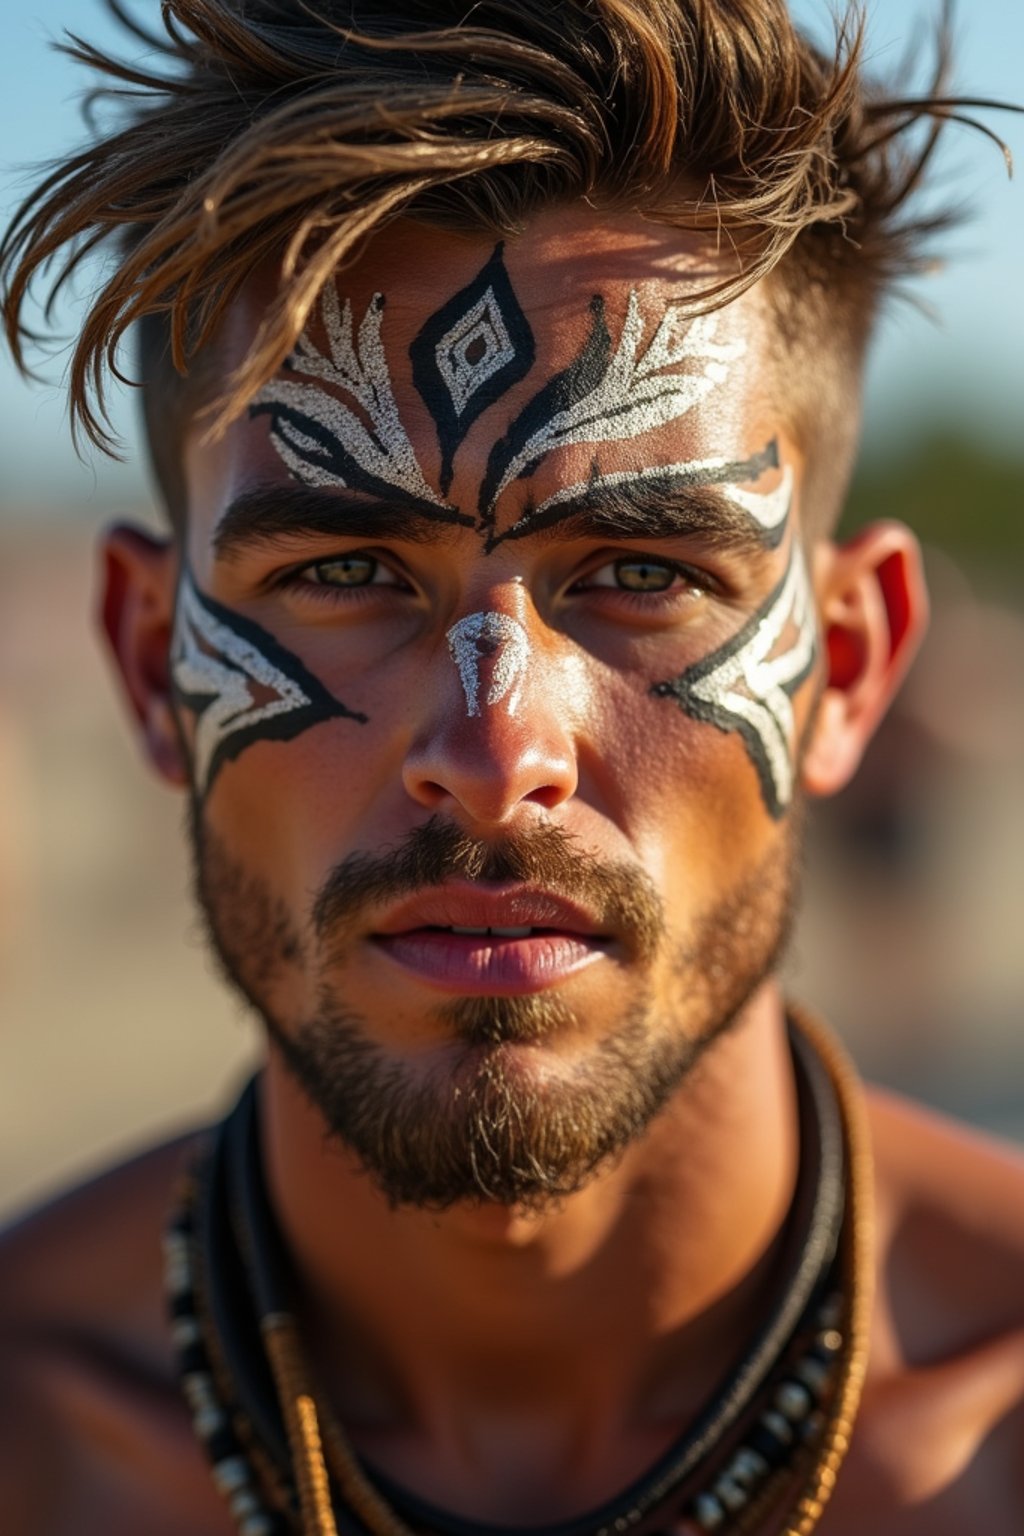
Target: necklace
[{"x": 773, "y": 1435}]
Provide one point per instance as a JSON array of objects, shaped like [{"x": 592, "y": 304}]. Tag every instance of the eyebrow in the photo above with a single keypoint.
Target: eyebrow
[
  {"x": 677, "y": 502},
  {"x": 269, "y": 513},
  {"x": 651, "y": 509}
]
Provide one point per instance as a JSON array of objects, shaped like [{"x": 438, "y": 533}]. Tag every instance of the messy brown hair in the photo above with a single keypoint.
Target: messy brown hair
[{"x": 294, "y": 131}]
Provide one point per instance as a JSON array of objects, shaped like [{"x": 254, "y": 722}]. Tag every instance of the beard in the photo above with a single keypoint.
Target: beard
[{"x": 494, "y": 1120}]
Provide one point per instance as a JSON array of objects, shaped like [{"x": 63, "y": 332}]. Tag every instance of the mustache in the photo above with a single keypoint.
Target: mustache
[{"x": 620, "y": 895}]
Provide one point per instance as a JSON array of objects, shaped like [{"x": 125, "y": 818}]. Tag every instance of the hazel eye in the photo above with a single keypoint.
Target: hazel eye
[
  {"x": 635, "y": 575},
  {"x": 348, "y": 571}
]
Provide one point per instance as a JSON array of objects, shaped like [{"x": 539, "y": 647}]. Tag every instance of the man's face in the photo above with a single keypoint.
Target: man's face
[{"x": 494, "y": 648}]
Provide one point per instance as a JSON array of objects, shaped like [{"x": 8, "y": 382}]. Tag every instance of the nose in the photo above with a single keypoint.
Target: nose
[{"x": 496, "y": 733}]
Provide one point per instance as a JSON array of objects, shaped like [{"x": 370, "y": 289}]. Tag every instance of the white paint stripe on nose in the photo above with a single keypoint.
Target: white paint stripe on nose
[{"x": 494, "y": 637}]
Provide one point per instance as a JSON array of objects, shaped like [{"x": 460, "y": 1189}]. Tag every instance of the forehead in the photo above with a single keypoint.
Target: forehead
[
  {"x": 556, "y": 265},
  {"x": 537, "y": 301}
]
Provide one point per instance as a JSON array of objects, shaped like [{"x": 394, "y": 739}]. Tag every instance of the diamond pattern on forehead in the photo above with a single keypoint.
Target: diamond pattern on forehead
[
  {"x": 473, "y": 350},
  {"x": 469, "y": 353}
]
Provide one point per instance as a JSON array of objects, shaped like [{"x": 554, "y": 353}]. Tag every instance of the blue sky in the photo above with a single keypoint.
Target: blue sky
[{"x": 966, "y": 369}]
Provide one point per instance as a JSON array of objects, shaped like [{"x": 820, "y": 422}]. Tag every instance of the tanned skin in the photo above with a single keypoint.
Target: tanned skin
[{"x": 520, "y": 1367}]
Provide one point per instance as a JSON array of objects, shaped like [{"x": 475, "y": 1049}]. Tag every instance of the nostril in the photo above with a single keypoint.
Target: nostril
[{"x": 549, "y": 796}]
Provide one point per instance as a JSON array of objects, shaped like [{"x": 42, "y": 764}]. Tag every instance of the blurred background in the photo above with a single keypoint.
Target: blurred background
[{"x": 112, "y": 1027}]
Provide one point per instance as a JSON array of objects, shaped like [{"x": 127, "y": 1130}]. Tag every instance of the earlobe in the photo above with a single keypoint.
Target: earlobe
[
  {"x": 138, "y": 584},
  {"x": 874, "y": 610}
]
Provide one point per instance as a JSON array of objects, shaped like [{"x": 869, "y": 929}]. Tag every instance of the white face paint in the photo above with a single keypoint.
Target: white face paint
[
  {"x": 633, "y": 394},
  {"x": 240, "y": 683},
  {"x": 747, "y": 685},
  {"x": 604, "y": 396},
  {"x": 768, "y": 511},
  {"x": 496, "y": 638},
  {"x": 321, "y": 439}
]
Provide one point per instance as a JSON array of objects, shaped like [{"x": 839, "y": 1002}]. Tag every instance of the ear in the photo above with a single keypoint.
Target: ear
[
  {"x": 139, "y": 580},
  {"x": 873, "y": 606}
]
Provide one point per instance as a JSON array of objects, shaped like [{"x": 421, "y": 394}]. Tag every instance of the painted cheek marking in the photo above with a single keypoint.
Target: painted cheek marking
[
  {"x": 241, "y": 684},
  {"x": 747, "y": 685},
  {"x": 494, "y": 637}
]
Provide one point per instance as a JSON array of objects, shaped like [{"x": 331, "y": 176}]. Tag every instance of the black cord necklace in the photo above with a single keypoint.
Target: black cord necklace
[{"x": 239, "y": 1278}]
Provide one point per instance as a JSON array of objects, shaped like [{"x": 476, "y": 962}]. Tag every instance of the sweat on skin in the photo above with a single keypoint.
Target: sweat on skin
[{"x": 335, "y": 423}]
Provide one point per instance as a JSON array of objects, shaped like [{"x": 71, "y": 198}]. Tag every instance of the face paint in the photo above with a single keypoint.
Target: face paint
[
  {"x": 240, "y": 683},
  {"x": 465, "y": 357},
  {"x": 322, "y": 440},
  {"x": 603, "y": 397},
  {"x": 770, "y": 509},
  {"x": 490, "y": 637},
  {"x": 767, "y": 511},
  {"x": 747, "y": 685},
  {"x": 469, "y": 353}
]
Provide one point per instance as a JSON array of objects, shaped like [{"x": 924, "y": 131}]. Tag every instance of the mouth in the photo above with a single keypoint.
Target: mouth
[{"x": 474, "y": 942}]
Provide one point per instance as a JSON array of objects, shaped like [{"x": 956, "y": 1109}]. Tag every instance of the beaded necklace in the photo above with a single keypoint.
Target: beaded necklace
[{"x": 768, "y": 1444}]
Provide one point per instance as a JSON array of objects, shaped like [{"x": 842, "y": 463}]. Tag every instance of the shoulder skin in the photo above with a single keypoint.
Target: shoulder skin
[{"x": 96, "y": 1440}]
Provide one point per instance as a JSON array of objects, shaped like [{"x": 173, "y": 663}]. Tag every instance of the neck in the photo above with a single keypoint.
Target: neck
[{"x": 584, "y": 1338}]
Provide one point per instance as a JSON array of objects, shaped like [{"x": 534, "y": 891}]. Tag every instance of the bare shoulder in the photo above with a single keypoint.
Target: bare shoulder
[
  {"x": 950, "y": 1227},
  {"x": 88, "y": 1259},
  {"x": 939, "y": 1439},
  {"x": 93, "y": 1425}
]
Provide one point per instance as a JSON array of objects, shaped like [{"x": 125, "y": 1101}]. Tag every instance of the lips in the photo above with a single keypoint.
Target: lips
[{"x": 473, "y": 941}]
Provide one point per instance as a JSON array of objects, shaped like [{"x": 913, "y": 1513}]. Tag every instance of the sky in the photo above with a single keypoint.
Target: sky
[{"x": 961, "y": 372}]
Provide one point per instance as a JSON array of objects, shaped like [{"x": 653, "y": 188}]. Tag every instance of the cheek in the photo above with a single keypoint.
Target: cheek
[
  {"x": 693, "y": 798},
  {"x": 288, "y": 811}
]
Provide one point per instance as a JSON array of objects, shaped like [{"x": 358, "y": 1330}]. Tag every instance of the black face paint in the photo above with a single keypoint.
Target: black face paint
[
  {"x": 628, "y": 488},
  {"x": 746, "y": 686},
  {"x": 610, "y": 397},
  {"x": 322, "y": 439},
  {"x": 557, "y": 397},
  {"x": 466, "y": 356},
  {"x": 241, "y": 684},
  {"x": 469, "y": 353}
]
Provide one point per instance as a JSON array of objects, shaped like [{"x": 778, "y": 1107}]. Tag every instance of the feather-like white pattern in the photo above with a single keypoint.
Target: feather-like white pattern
[
  {"x": 635, "y": 395},
  {"x": 360, "y": 369}
]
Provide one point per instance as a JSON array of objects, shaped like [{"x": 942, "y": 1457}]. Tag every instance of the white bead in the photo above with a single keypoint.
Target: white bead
[
  {"x": 256, "y": 1525},
  {"x": 778, "y": 1426},
  {"x": 729, "y": 1493},
  {"x": 178, "y": 1277},
  {"x": 814, "y": 1375},
  {"x": 185, "y": 1331},
  {"x": 245, "y": 1504},
  {"x": 231, "y": 1473},
  {"x": 208, "y": 1422},
  {"x": 708, "y": 1512},
  {"x": 747, "y": 1467},
  {"x": 793, "y": 1400},
  {"x": 198, "y": 1389}
]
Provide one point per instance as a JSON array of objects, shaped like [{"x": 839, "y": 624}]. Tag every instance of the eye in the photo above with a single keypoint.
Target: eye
[
  {"x": 348, "y": 571},
  {"x": 640, "y": 575}
]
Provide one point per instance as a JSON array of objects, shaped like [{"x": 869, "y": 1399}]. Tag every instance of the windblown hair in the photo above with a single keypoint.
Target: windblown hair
[{"x": 294, "y": 130}]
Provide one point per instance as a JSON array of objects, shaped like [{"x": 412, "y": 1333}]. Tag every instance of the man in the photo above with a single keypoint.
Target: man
[{"x": 499, "y": 640}]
